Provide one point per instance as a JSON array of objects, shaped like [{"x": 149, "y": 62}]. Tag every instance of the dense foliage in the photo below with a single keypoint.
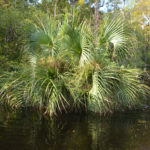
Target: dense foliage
[{"x": 58, "y": 62}]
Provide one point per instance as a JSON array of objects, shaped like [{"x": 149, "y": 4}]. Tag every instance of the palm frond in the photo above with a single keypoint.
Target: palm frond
[{"x": 116, "y": 34}]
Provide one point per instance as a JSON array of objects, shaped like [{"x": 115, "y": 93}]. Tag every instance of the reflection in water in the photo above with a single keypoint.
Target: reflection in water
[{"x": 25, "y": 130}]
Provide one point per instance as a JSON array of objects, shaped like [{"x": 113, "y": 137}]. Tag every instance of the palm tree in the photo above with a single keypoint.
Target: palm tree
[{"x": 67, "y": 70}]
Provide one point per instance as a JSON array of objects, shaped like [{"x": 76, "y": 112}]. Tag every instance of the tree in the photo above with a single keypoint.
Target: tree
[
  {"x": 113, "y": 5},
  {"x": 14, "y": 31},
  {"x": 141, "y": 19},
  {"x": 66, "y": 70}
]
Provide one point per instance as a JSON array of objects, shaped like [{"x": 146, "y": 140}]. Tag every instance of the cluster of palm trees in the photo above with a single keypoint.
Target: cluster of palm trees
[{"x": 68, "y": 68}]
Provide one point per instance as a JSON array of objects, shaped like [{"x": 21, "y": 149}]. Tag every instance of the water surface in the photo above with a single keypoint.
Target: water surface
[{"x": 26, "y": 130}]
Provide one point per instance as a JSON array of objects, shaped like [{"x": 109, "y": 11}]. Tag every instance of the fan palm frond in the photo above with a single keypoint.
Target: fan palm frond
[{"x": 116, "y": 37}]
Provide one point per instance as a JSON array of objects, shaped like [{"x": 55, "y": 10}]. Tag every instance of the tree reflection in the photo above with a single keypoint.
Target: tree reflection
[{"x": 28, "y": 130}]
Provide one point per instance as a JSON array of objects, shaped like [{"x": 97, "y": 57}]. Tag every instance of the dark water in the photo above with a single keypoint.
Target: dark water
[{"x": 26, "y": 130}]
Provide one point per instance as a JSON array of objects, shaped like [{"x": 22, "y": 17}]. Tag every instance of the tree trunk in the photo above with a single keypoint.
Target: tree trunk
[
  {"x": 96, "y": 17},
  {"x": 55, "y": 8},
  {"x": 146, "y": 52},
  {"x": 97, "y": 7},
  {"x": 124, "y": 5}
]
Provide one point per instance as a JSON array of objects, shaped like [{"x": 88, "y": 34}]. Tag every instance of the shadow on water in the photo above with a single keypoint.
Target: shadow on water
[{"x": 26, "y": 130}]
